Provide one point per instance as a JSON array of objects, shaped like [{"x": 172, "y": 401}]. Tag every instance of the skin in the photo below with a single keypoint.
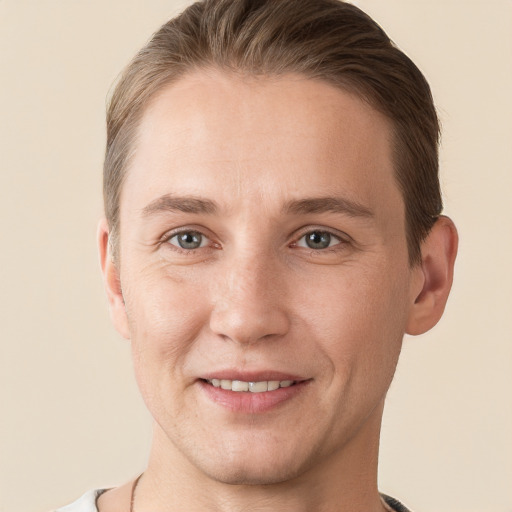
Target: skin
[{"x": 255, "y": 297}]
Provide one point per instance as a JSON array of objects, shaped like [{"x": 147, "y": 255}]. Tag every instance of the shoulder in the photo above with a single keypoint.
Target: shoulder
[{"x": 86, "y": 503}]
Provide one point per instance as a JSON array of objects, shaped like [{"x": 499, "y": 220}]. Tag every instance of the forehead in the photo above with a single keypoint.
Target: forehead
[{"x": 242, "y": 137}]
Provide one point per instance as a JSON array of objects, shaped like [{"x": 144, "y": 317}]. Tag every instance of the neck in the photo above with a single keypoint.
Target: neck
[{"x": 342, "y": 481}]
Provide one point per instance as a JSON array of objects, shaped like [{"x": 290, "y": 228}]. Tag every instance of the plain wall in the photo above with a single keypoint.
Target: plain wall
[{"x": 70, "y": 415}]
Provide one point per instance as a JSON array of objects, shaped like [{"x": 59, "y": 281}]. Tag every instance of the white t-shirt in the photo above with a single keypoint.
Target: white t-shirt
[{"x": 86, "y": 503}]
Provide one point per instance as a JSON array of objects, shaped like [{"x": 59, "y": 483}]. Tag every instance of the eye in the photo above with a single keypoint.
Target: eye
[
  {"x": 318, "y": 240},
  {"x": 189, "y": 240}
]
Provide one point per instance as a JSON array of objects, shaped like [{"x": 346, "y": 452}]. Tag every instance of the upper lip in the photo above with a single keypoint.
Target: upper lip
[{"x": 251, "y": 376}]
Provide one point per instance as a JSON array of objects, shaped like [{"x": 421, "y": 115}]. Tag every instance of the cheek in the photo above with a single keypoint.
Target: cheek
[
  {"x": 384, "y": 320},
  {"x": 357, "y": 327},
  {"x": 165, "y": 315}
]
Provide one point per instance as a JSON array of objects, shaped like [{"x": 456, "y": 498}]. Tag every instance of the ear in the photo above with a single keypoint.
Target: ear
[
  {"x": 438, "y": 252},
  {"x": 112, "y": 281}
]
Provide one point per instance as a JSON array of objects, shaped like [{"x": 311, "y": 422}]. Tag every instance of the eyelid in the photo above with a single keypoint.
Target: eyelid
[{"x": 182, "y": 229}]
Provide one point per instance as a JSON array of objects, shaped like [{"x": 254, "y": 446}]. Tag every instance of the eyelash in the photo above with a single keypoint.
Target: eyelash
[{"x": 341, "y": 240}]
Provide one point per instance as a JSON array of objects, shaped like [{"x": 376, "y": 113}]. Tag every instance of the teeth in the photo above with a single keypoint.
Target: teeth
[
  {"x": 258, "y": 387},
  {"x": 226, "y": 384},
  {"x": 240, "y": 385},
  {"x": 253, "y": 387},
  {"x": 273, "y": 385}
]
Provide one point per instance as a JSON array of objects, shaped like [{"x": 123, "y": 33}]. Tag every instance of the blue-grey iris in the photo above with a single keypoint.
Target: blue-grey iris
[
  {"x": 318, "y": 240},
  {"x": 190, "y": 240}
]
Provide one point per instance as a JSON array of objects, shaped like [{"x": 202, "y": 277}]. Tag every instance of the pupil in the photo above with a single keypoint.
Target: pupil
[
  {"x": 189, "y": 240},
  {"x": 318, "y": 240}
]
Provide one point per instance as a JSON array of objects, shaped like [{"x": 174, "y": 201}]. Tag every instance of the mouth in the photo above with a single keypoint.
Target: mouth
[
  {"x": 254, "y": 395},
  {"x": 240, "y": 386}
]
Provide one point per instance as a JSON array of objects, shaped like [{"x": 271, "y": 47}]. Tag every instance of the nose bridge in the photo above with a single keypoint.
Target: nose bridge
[
  {"x": 249, "y": 277},
  {"x": 250, "y": 300}
]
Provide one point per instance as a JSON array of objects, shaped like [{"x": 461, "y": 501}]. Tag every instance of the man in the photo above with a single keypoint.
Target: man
[{"x": 273, "y": 228}]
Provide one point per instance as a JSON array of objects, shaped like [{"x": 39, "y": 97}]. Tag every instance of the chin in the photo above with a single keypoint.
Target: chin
[
  {"x": 255, "y": 464},
  {"x": 249, "y": 475}
]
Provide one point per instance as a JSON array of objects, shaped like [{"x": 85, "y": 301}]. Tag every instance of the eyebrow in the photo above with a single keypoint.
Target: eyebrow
[
  {"x": 328, "y": 204},
  {"x": 186, "y": 204},
  {"x": 198, "y": 205}
]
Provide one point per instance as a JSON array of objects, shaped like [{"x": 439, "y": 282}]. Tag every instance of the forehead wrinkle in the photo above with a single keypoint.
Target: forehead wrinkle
[{"x": 237, "y": 179}]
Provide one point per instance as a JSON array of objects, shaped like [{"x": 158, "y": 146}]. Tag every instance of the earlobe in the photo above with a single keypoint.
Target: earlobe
[
  {"x": 112, "y": 281},
  {"x": 438, "y": 252}
]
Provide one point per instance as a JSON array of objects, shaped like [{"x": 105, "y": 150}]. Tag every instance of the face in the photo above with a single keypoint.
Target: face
[{"x": 262, "y": 249}]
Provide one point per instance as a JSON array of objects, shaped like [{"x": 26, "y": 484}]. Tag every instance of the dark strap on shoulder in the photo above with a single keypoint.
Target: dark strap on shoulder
[{"x": 394, "y": 504}]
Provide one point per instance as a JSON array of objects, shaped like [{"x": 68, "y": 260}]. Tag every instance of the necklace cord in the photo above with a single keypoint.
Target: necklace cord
[{"x": 134, "y": 486}]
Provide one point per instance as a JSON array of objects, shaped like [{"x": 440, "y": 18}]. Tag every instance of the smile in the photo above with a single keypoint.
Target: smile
[
  {"x": 254, "y": 395},
  {"x": 241, "y": 386}
]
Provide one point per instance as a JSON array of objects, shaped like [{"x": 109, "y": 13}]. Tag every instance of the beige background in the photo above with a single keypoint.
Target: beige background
[{"x": 70, "y": 415}]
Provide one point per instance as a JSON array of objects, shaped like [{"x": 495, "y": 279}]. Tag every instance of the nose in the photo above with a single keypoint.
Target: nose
[{"x": 250, "y": 300}]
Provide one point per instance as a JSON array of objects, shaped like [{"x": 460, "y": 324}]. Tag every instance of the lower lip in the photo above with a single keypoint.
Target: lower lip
[{"x": 252, "y": 403}]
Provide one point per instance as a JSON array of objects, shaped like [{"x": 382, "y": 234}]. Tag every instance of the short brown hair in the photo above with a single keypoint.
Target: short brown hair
[{"x": 328, "y": 40}]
